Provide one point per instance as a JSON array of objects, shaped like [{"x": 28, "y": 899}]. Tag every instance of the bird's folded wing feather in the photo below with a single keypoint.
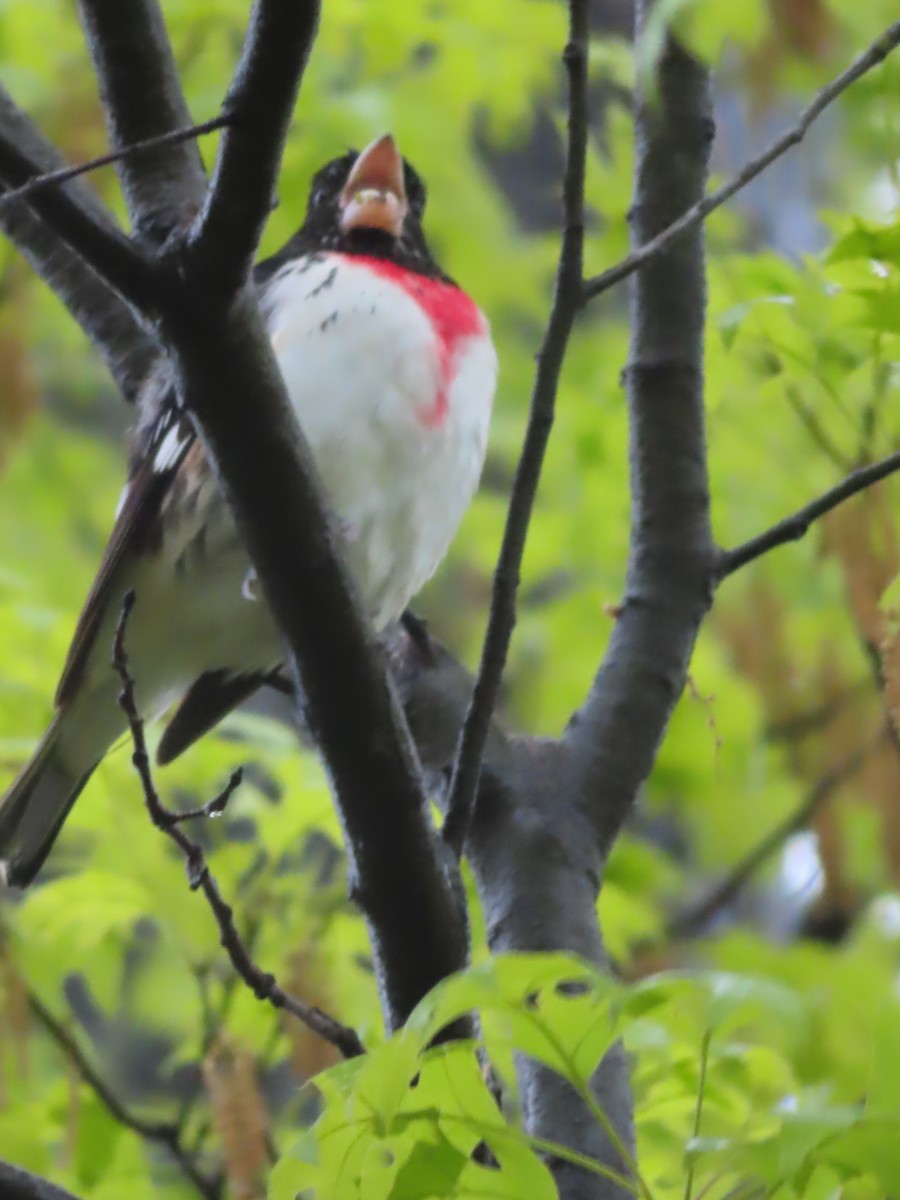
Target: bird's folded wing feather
[
  {"x": 138, "y": 530},
  {"x": 210, "y": 698}
]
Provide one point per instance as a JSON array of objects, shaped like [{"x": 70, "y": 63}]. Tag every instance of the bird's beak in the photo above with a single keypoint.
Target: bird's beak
[{"x": 374, "y": 196}]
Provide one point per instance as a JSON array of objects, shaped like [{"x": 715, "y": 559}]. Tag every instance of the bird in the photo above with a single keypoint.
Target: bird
[{"x": 391, "y": 370}]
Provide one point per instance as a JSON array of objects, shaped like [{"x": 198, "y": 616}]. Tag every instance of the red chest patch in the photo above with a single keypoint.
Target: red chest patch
[{"x": 452, "y": 314}]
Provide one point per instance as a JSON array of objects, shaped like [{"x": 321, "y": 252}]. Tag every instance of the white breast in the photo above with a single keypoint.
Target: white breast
[{"x": 363, "y": 367}]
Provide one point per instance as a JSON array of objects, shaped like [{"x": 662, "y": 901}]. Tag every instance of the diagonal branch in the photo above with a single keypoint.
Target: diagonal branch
[
  {"x": 64, "y": 174},
  {"x": 17, "y": 1184},
  {"x": 264, "y": 986},
  {"x": 502, "y": 619},
  {"x": 110, "y": 324},
  {"x": 691, "y": 217},
  {"x": 103, "y": 248},
  {"x": 167, "y": 1133},
  {"x": 414, "y": 916},
  {"x": 142, "y": 99},
  {"x": 794, "y": 527},
  {"x": 262, "y": 96}
]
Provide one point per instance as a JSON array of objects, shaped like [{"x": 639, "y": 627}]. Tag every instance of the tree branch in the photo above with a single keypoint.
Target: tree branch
[
  {"x": 110, "y": 324},
  {"x": 64, "y": 174},
  {"x": 103, "y": 248},
  {"x": 263, "y": 985},
  {"x": 502, "y": 619},
  {"x": 415, "y": 916},
  {"x": 167, "y": 1133},
  {"x": 16, "y": 1184},
  {"x": 615, "y": 735},
  {"x": 142, "y": 99},
  {"x": 794, "y": 527},
  {"x": 262, "y": 96},
  {"x": 699, "y": 211}
]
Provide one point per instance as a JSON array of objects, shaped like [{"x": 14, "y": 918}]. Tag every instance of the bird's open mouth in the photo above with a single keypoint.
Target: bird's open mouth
[{"x": 374, "y": 196}]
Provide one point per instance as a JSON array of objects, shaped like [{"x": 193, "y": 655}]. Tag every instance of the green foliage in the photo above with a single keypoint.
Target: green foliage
[
  {"x": 715, "y": 1098},
  {"x": 763, "y": 1064}
]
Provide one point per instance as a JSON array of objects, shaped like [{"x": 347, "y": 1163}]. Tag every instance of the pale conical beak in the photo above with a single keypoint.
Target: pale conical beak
[{"x": 374, "y": 196}]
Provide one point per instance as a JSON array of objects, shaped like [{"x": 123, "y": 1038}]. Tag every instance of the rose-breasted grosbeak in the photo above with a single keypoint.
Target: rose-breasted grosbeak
[{"x": 391, "y": 370}]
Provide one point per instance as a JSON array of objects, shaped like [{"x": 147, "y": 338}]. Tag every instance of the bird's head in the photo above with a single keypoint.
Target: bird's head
[{"x": 369, "y": 203}]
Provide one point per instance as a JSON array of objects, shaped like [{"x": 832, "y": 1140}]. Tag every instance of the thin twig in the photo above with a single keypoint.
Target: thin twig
[
  {"x": 214, "y": 807},
  {"x": 104, "y": 248},
  {"x": 502, "y": 619},
  {"x": 64, "y": 174},
  {"x": 128, "y": 350},
  {"x": 262, "y": 984},
  {"x": 167, "y": 1132},
  {"x": 877, "y": 53},
  {"x": 792, "y": 528},
  {"x": 698, "y": 915}
]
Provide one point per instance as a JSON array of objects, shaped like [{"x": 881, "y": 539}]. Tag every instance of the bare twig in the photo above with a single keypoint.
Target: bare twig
[
  {"x": 502, "y": 619},
  {"x": 105, "y": 249},
  {"x": 877, "y": 53},
  {"x": 129, "y": 351},
  {"x": 214, "y": 807},
  {"x": 698, "y": 915},
  {"x": 792, "y": 528},
  {"x": 168, "y": 1133},
  {"x": 64, "y": 174},
  {"x": 263, "y": 985}
]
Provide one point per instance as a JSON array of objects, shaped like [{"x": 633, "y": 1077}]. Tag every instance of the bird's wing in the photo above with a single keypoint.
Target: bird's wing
[
  {"x": 162, "y": 445},
  {"x": 211, "y": 697},
  {"x": 138, "y": 529}
]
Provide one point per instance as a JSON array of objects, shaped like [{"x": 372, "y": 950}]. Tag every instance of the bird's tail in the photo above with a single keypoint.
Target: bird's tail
[{"x": 34, "y": 809}]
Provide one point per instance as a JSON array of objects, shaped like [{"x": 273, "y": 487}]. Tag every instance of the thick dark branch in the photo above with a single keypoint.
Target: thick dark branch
[
  {"x": 103, "y": 248},
  {"x": 262, "y": 96},
  {"x": 695, "y": 918},
  {"x": 566, "y": 299},
  {"x": 792, "y": 528},
  {"x": 167, "y": 1133},
  {"x": 615, "y": 736},
  {"x": 692, "y": 216},
  {"x": 415, "y": 916},
  {"x": 110, "y": 324},
  {"x": 536, "y": 867},
  {"x": 263, "y": 985},
  {"x": 16, "y": 1184},
  {"x": 142, "y": 99},
  {"x": 64, "y": 174}
]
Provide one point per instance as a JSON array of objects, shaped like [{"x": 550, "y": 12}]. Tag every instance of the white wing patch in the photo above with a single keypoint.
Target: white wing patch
[
  {"x": 123, "y": 496},
  {"x": 169, "y": 449}
]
